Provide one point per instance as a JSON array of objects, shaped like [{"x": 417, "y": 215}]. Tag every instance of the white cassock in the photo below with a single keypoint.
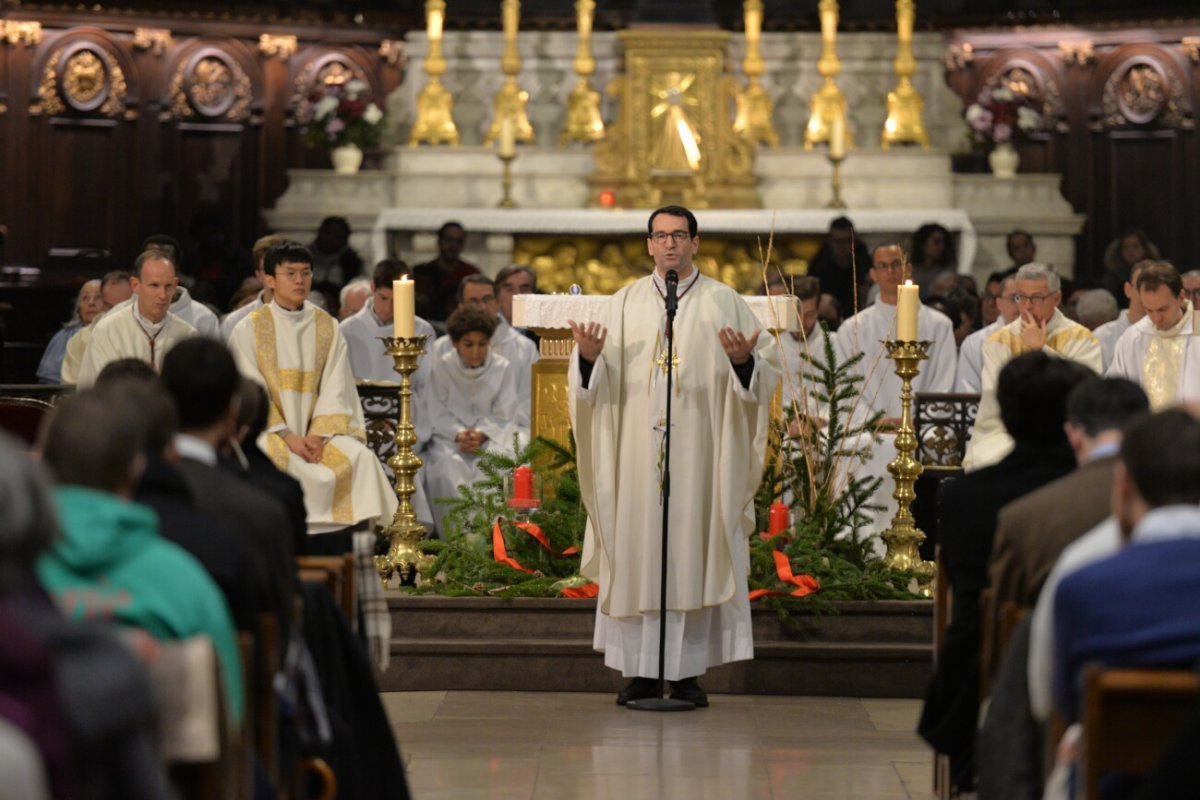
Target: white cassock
[
  {"x": 1165, "y": 363},
  {"x": 230, "y": 320},
  {"x": 521, "y": 352},
  {"x": 1065, "y": 338},
  {"x": 866, "y": 331},
  {"x": 719, "y": 442},
  {"x": 370, "y": 362},
  {"x": 462, "y": 398},
  {"x": 300, "y": 357},
  {"x": 124, "y": 333},
  {"x": 796, "y": 371},
  {"x": 970, "y": 358},
  {"x": 76, "y": 349},
  {"x": 198, "y": 315},
  {"x": 1108, "y": 334}
]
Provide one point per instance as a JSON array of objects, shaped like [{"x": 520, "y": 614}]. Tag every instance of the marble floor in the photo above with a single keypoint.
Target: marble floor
[{"x": 522, "y": 745}]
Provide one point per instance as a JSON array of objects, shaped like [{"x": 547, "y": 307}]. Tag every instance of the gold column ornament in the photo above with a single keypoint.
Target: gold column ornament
[
  {"x": 827, "y": 102},
  {"x": 405, "y": 532},
  {"x": 511, "y": 101},
  {"x": 903, "y": 537},
  {"x": 434, "y": 124},
  {"x": 754, "y": 107},
  {"x": 156, "y": 40},
  {"x": 906, "y": 108},
  {"x": 584, "y": 123},
  {"x": 16, "y": 32}
]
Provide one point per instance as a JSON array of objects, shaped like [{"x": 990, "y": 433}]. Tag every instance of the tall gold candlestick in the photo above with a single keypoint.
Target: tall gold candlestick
[
  {"x": 828, "y": 102},
  {"x": 405, "y": 532},
  {"x": 435, "y": 123},
  {"x": 584, "y": 123},
  {"x": 836, "y": 200},
  {"x": 506, "y": 181},
  {"x": 906, "y": 107},
  {"x": 511, "y": 102},
  {"x": 903, "y": 537},
  {"x": 754, "y": 106}
]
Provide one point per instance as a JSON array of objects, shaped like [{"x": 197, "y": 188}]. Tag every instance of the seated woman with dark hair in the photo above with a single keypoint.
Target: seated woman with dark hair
[{"x": 932, "y": 256}]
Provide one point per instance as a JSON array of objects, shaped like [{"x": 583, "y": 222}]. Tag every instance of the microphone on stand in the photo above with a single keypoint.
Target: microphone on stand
[{"x": 672, "y": 287}]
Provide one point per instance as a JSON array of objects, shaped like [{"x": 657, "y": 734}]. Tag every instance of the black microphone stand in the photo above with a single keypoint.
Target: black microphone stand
[{"x": 661, "y": 703}]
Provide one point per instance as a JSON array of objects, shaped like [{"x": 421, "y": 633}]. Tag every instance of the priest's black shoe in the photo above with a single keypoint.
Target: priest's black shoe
[
  {"x": 638, "y": 689},
  {"x": 689, "y": 689}
]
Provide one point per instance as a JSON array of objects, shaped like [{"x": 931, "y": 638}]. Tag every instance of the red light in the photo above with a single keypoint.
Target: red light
[{"x": 608, "y": 199}]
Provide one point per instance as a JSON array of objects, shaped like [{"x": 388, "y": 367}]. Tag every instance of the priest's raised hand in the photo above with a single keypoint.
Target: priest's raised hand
[
  {"x": 589, "y": 338},
  {"x": 736, "y": 345}
]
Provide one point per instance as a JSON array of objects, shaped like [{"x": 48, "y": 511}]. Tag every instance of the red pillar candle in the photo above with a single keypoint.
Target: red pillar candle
[
  {"x": 777, "y": 520},
  {"x": 523, "y": 483}
]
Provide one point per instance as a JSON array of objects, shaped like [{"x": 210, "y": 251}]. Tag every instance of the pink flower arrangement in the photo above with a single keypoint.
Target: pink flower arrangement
[
  {"x": 343, "y": 114},
  {"x": 999, "y": 115}
]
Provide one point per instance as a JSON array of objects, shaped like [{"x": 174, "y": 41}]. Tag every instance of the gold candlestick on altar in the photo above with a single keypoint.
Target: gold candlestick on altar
[
  {"x": 511, "y": 101},
  {"x": 903, "y": 537},
  {"x": 434, "y": 124},
  {"x": 584, "y": 123},
  {"x": 837, "y": 154},
  {"x": 506, "y": 182},
  {"x": 828, "y": 102},
  {"x": 405, "y": 532},
  {"x": 754, "y": 107},
  {"x": 906, "y": 107}
]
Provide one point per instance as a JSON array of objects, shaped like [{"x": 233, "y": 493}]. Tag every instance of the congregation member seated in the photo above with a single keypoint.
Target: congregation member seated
[
  {"x": 478, "y": 292},
  {"x": 841, "y": 265},
  {"x": 316, "y": 431},
  {"x": 1040, "y": 326},
  {"x": 472, "y": 404},
  {"x": 438, "y": 280},
  {"x": 1191, "y": 286},
  {"x": 335, "y": 262},
  {"x": 866, "y": 331},
  {"x": 1095, "y": 307},
  {"x": 74, "y": 691},
  {"x": 1161, "y": 352},
  {"x": 115, "y": 289},
  {"x": 353, "y": 297},
  {"x": 1120, "y": 257},
  {"x": 1110, "y": 332},
  {"x": 1032, "y": 391},
  {"x": 110, "y": 562},
  {"x": 145, "y": 328},
  {"x": 932, "y": 257},
  {"x": 1021, "y": 247},
  {"x": 258, "y": 253},
  {"x": 970, "y": 352},
  {"x": 88, "y": 306}
]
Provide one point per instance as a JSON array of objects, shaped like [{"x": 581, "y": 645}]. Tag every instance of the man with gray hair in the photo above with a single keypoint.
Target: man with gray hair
[
  {"x": 353, "y": 297},
  {"x": 1039, "y": 326},
  {"x": 1095, "y": 307}
]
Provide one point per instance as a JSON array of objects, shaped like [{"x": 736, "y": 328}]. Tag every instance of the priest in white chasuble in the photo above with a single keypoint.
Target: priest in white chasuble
[
  {"x": 472, "y": 405},
  {"x": 866, "y": 331},
  {"x": 725, "y": 371},
  {"x": 144, "y": 329},
  {"x": 1162, "y": 350},
  {"x": 1039, "y": 326},
  {"x": 315, "y": 430}
]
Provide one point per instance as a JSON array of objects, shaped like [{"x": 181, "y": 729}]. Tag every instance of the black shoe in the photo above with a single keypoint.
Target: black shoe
[
  {"x": 638, "y": 689},
  {"x": 689, "y": 689}
]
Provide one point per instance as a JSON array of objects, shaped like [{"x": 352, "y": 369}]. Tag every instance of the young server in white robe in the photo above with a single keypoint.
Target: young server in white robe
[{"x": 315, "y": 430}]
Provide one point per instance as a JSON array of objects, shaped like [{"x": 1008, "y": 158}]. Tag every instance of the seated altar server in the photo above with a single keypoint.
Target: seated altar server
[
  {"x": 478, "y": 292},
  {"x": 144, "y": 328},
  {"x": 472, "y": 405},
  {"x": 1039, "y": 326},
  {"x": 970, "y": 355},
  {"x": 866, "y": 331},
  {"x": 315, "y": 427},
  {"x": 1110, "y": 332},
  {"x": 1161, "y": 351}
]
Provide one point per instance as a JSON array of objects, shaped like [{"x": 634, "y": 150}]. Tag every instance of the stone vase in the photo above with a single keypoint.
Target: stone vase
[
  {"x": 346, "y": 159},
  {"x": 1003, "y": 160}
]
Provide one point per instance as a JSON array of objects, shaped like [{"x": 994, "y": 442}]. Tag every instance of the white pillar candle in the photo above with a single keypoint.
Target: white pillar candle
[
  {"x": 908, "y": 302},
  {"x": 403, "y": 308},
  {"x": 508, "y": 138},
  {"x": 837, "y": 137}
]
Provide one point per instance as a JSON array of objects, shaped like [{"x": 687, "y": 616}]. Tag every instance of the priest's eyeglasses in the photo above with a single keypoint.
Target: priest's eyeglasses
[
  {"x": 1036, "y": 299},
  {"x": 660, "y": 237}
]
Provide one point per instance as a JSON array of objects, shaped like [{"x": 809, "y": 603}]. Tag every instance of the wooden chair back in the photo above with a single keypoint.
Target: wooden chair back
[
  {"x": 1129, "y": 715},
  {"x": 22, "y": 417},
  {"x": 338, "y": 575}
]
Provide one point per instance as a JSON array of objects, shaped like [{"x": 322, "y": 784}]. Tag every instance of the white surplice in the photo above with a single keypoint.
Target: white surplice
[
  {"x": 198, "y": 315},
  {"x": 719, "y": 442},
  {"x": 124, "y": 333},
  {"x": 464, "y": 398},
  {"x": 1165, "y": 363},
  {"x": 970, "y": 358},
  {"x": 1065, "y": 338},
  {"x": 1108, "y": 334},
  {"x": 230, "y": 320},
  {"x": 865, "y": 333},
  {"x": 521, "y": 352},
  {"x": 301, "y": 359}
]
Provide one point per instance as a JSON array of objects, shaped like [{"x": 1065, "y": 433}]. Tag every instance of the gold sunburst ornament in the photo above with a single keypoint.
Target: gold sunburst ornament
[{"x": 678, "y": 148}]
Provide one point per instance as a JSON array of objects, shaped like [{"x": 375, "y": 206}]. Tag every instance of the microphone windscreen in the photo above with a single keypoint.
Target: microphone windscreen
[{"x": 672, "y": 276}]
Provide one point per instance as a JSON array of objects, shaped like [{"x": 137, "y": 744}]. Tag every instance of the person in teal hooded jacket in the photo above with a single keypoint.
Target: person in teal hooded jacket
[{"x": 110, "y": 561}]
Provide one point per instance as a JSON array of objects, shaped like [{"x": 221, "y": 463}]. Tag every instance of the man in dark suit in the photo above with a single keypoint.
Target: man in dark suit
[
  {"x": 1031, "y": 532},
  {"x": 1032, "y": 393},
  {"x": 203, "y": 380}
]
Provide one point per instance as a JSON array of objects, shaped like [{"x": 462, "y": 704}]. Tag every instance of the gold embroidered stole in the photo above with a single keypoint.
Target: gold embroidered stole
[{"x": 1164, "y": 361}]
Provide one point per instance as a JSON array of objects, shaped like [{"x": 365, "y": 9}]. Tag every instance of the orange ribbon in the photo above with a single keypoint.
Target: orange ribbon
[
  {"x": 500, "y": 551},
  {"x": 806, "y": 584}
]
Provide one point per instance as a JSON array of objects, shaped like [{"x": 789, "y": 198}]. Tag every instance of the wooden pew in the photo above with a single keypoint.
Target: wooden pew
[{"x": 1129, "y": 715}]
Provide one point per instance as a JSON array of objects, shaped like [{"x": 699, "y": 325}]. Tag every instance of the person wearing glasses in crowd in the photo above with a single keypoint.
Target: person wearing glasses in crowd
[
  {"x": 725, "y": 372},
  {"x": 866, "y": 331},
  {"x": 438, "y": 280},
  {"x": 1040, "y": 325},
  {"x": 1161, "y": 352}
]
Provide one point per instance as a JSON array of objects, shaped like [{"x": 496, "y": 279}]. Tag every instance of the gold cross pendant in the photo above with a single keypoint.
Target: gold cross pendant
[{"x": 661, "y": 361}]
